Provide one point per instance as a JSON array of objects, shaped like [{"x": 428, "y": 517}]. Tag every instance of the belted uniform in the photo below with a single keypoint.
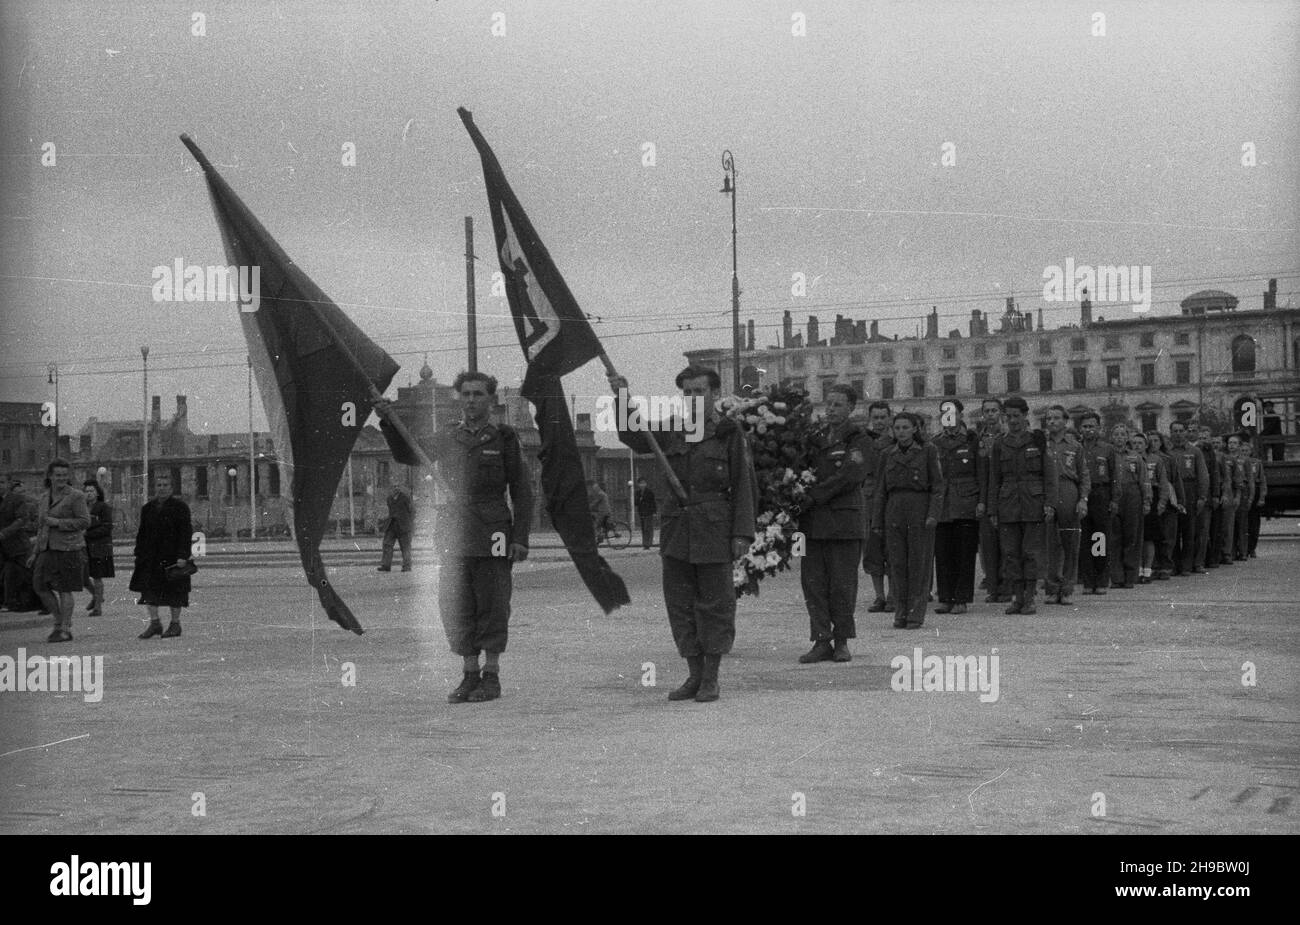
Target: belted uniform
[
  {"x": 1073, "y": 483},
  {"x": 956, "y": 539},
  {"x": 1261, "y": 495},
  {"x": 909, "y": 490},
  {"x": 1249, "y": 481},
  {"x": 990, "y": 549},
  {"x": 1189, "y": 467},
  {"x": 1022, "y": 480},
  {"x": 1234, "y": 484},
  {"x": 695, "y": 537},
  {"x": 833, "y": 528},
  {"x": 1125, "y": 539},
  {"x": 1102, "y": 461},
  {"x": 1207, "y": 541},
  {"x": 475, "y": 529},
  {"x": 873, "y": 543}
]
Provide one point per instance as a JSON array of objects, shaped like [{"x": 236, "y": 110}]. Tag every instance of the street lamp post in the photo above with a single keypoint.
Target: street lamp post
[
  {"x": 144, "y": 431},
  {"x": 54, "y": 381},
  {"x": 729, "y": 188}
]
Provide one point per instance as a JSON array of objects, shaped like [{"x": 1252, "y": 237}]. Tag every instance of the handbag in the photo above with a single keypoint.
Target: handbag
[{"x": 185, "y": 570}]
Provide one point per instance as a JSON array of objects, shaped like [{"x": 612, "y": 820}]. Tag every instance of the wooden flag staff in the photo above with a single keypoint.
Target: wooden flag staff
[{"x": 669, "y": 474}]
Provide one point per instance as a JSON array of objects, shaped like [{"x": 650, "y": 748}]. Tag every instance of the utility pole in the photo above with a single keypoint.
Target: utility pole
[
  {"x": 252, "y": 460},
  {"x": 470, "y": 319},
  {"x": 144, "y": 441}
]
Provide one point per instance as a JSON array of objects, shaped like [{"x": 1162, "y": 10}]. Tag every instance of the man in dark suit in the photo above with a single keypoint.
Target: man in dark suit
[
  {"x": 401, "y": 525},
  {"x": 646, "y": 508}
]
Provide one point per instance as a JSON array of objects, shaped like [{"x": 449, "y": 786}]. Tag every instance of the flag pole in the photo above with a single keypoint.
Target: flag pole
[{"x": 655, "y": 448}]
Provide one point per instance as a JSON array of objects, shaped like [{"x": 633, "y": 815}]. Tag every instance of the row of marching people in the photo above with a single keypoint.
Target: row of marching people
[{"x": 1062, "y": 506}]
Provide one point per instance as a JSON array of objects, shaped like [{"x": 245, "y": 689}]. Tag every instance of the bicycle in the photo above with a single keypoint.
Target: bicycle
[{"x": 615, "y": 534}]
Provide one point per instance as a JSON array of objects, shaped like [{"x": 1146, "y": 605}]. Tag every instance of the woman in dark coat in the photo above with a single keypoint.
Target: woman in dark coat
[
  {"x": 162, "y": 540},
  {"x": 99, "y": 546}
]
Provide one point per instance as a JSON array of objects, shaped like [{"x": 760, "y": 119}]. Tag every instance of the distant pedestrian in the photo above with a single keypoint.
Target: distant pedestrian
[
  {"x": 1162, "y": 495},
  {"x": 1073, "y": 486},
  {"x": 990, "y": 428},
  {"x": 880, "y": 435},
  {"x": 1125, "y": 538},
  {"x": 162, "y": 540},
  {"x": 1271, "y": 432},
  {"x": 646, "y": 508},
  {"x": 58, "y": 556},
  {"x": 1189, "y": 466},
  {"x": 399, "y": 528},
  {"x": 99, "y": 546},
  {"x": 956, "y": 537},
  {"x": 1102, "y": 461},
  {"x": 1163, "y": 565},
  {"x": 17, "y": 529},
  {"x": 1233, "y": 488},
  {"x": 1207, "y": 546},
  {"x": 599, "y": 507},
  {"x": 1257, "y": 506}
]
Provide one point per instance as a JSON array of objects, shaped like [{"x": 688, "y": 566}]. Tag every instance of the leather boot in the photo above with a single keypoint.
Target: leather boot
[
  {"x": 842, "y": 653},
  {"x": 820, "y": 652},
  {"x": 1027, "y": 597},
  {"x": 709, "y": 679},
  {"x": 467, "y": 685},
  {"x": 691, "y": 686},
  {"x": 1017, "y": 598}
]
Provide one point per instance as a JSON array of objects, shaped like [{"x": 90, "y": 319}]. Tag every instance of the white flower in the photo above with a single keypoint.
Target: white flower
[
  {"x": 772, "y": 532},
  {"x": 765, "y": 518},
  {"x": 739, "y": 576},
  {"x": 779, "y": 419},
  {"x": 782, "y": 518},
  {"x": 773, "y": 559},
  {"x": 779, "y": 406},
  {"x": 761, "y": 428}
]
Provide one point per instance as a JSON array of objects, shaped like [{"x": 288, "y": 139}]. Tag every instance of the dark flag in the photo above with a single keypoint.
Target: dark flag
[
  {"x": 312, "y": 365},
  {"x": 556, "y": 339}
]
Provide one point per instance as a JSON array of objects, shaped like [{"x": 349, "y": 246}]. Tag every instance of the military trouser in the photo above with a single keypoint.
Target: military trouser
[
  {"x": 1202, "y": 542},
  {"x": 1184, "y": 551},
  {"x": 474, "y": 601},
  {"x": 1165, "y": 542},
  {"x": 701, "y": 602},
  {"x": 1214, "y": 548},
  {"x": 828, "y": 572},
  {"x": 1227, "y": 530},
  {"x": 991, "y": 558},
  {"x": 393, "y": 535},
  {"x": 1253, "y": 528},
  {"x": 909, "y": 544},
  {"x": 873, "y": 549},
  {"x": 1022, "y": 555},
  {"x": 1062, "y": 540},
  {"x": 955, "y": 545},
  {"x": 1124, "y": 542},
  {"x": 1241, "y": 535},
  {"x": 1094, "y": 570},
  {"x": 19, "y": 595}
]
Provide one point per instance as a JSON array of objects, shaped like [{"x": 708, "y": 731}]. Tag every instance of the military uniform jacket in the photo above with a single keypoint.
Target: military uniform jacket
[
  {"x": 480, "y": 468},
  {"x": 1189, "y": 468},
  {"x": 877, "y": 444},
  {"x": 963, "y": 474},
  {"x": 1175, "y": 482},
  {"x": 1022, "y": 477},
  {"x": 1102, "y": 460},
  {"x": 1162, "y": 489},
  {"x": 1213, "y": 469},
  {"x": 717, "y": 475},
  {"x": 1250, "y": 476},
  {"x": 1133, "y": 471},
  {"x": 1261, "y": 480},
  {"x": 840, "y": 457},
  {"x": 914, "y": 469},
  {"x": 1067, "y": 454},
  {"x": 1235, "y": 479}
]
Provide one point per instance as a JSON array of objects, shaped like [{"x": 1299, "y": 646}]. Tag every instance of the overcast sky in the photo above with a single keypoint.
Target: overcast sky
[{"x": 1122, "y": 148}]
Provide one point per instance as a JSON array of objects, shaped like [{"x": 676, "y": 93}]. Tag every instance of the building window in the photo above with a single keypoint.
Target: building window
[
  {"x": 918, "y": 387},
  {"x": 1045, "y": 347},
  {"x": 1112, "y": 376},
  {"x": 796, "y": 361},
  {"x": 175, "y": 472},
  {"x": 1080, "y": 377},
  {"x": 1182, "y": 339},
  {"x": 116, "y": 480},
  {"x": 918, "y": 354},
  {"x": 982, "y": 382},
  {"x": 950, "y": 383},
  {"x": 887, "y": 356},
  {"x": 860, "y": 386},
  {"x": 1013, "y": 348},
  {"x": 887, "y": 388},
  {"x": 1184, "y": 416},
  {"x": 950, "y": 353},
  {"x": 1150, "y": 420},
  {"x": 1044, "y": 380},
  {"x": 5, "y": 457},
  {"x": 827, "y": 360},
  {"x": 1183, "y": 372},
  {"x": 1013, "y": 380},
  {"x": 382, "y": 474},
  {"x": 1148, "y": 374},
  {"x": 855, "y": 358},
  {"x": 1148, "y": 339},
  {"x": 273, "y": 475},
  {"x": 1243, "y": 354},
  {"x": 1079, "y": 344},
  {"x": 826, "y": 387},
  {"x": 800, "y": 384},
  {"x": 981, "y": 351},
  {"x": 1112, "y": 342},
  {"x": 201, "y": 482}
]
